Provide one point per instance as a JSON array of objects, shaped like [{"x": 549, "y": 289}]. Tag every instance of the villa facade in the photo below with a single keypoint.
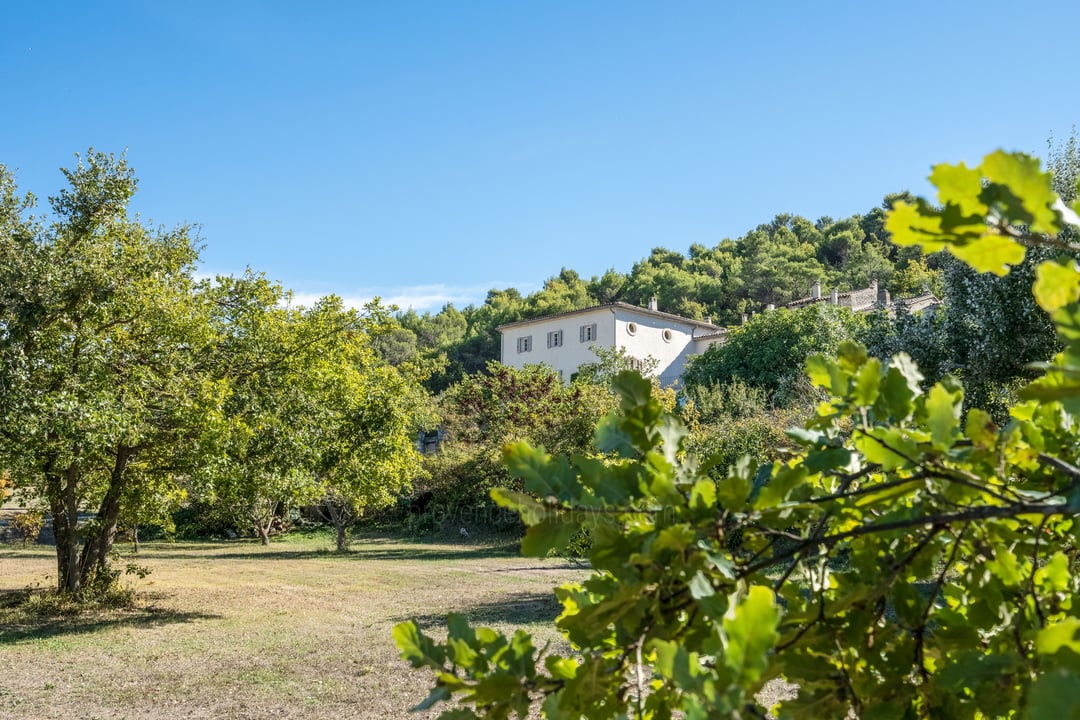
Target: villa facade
[{"x": 565, "y": 341}]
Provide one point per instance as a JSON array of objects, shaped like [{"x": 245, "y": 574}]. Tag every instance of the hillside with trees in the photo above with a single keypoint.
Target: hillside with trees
[{"x": 773, "y": 264}]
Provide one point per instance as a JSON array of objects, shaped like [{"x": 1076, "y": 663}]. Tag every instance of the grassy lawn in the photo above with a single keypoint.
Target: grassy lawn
[{"x": 233, "y": 631}]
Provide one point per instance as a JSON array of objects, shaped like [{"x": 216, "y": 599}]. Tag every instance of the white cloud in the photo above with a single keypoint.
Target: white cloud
[{"x": 421, "y": 298}]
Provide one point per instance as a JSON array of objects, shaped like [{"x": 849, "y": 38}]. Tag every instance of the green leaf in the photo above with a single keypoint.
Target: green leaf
[
  {"x": 780, "y": 485},
  {"x": 531, "y": 511},
  {"x": 959, "y": 185},
  {"x": 676, "y": 537},
  {"x": 902, "y": 384},
  {"x": 676, "y": 664},
  {"x": 817, "y": 367},
  {"x": 1054, "y": 576},
  {"x": 1005, "y": 566},
  {"x": 1052, "y": 638},
  {"x": 703, "y": 495},
  {"x": 991, "y": 253},
  {"x": 1053, "y": 697},
  {"x": 886, "y": 446},
  {"x": 1026, "y": 183},
  {"x": 733, "y": 492},
  {"x": 942, "y": 415},
  {"x": 750, "y": 632},
  {"x": 867, "y": 383},
  {"x": 416, "y": 647},
  {"x": 1057, "y": 284},
  {"x": 915, "y": 225},
  {"x": 561, "y": 668},
  {"x": 633, "y": 389},
  {"x": 438, "y": 694},
  {"x": 542, "y": 474},
  {"x": 980, "y": 428},
  {"x": 550, "y": 534}
]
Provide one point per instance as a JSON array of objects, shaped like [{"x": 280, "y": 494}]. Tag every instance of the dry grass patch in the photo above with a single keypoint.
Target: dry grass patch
[{"x": 237, "y": 631}]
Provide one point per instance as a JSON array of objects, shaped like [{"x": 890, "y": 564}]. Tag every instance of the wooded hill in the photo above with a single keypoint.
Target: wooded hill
[{"x": 774, "y": 263}]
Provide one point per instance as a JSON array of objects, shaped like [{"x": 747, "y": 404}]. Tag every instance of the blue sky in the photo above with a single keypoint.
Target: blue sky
[{"x": 426, "y": 152}]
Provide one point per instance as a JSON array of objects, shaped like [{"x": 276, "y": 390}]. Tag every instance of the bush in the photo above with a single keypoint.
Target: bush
[
  {"x": 28, "y": 525},
  {"x": 203, "y": 521}
]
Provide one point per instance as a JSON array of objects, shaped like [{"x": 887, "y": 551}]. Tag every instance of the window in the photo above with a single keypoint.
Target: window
[
  {"x": 636, "y": 364},
  {"x": 525, "y": 344},
  {"x": 668, "y": 335},
  {"x": 555, "y": 338},
  {"x": 631, "y": 328},
  {"x": 588, "y": 333}
]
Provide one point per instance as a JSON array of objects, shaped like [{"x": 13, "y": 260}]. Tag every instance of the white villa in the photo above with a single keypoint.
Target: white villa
[{"x": 564, "y": 341}]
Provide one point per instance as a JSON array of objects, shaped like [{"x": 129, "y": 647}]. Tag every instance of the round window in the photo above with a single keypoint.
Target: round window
[
  {"x": 631, "y": 328},
  {"x": 667, "y": 336}
]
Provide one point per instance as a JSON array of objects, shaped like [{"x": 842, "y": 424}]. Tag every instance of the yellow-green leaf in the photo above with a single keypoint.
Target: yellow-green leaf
[
  {"x": 750, "y": 632},
  {"x": 1024, "y": 179},
  {"x": 990, "y": 253},
  {"x": 942, "y": 415},
  {"x": 1062, "y": 634},
  {"x": 959, "y": 185},
  {"x": 1057, "y": 284},
  {"x": 909, "y": 226}
]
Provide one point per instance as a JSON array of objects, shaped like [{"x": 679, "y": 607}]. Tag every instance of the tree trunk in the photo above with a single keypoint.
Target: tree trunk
[
  {"x": 264, "y": 533},
  {"x": 342, "y": 535},
  {"x": 63, "y": 501},
  {"x": 135, "y": 537},
  {"x": 63, "y": 504},
  {"x": 95, "y": 554}
]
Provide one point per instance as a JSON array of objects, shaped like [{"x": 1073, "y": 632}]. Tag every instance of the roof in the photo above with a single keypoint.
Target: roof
[
  {"x": 919, "y": 302},
  {"x": 617, "y": 305}
]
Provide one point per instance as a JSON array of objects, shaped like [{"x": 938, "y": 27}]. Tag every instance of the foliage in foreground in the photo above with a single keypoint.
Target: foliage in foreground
[{"x": 907, "y": 561}]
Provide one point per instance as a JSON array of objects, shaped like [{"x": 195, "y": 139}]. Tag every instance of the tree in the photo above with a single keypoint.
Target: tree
[
  {"x": 781, "y": 260},
  {"x": 770, "y": 350},
  {"x": 921, "y": 335},
  {"x": 904, "y": 561},
  {"x": 609, "y": 363},
  {"x": 485, "y": 411},
  {"x": 102, "y": 339},
  {"x": 317, "y": 415},
  {"x": 993, "y": 326},
  {"x": 268, "y": 452},
  {"x": 370, "y": 413}
]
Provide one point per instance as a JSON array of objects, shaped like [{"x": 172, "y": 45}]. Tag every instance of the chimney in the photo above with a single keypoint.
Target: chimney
[
  {"x": 834, "y": 298},
  {"x": 744, "y": 318},
  {"x": 815, "y": 290},
  {"x": 652, "y": 303},
  {"x": 708, "y": 319},
  {"x": 770, "y": 306}
]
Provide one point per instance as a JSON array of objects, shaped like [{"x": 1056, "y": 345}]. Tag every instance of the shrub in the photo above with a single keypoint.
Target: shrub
[{"x": 28, "y": 525}]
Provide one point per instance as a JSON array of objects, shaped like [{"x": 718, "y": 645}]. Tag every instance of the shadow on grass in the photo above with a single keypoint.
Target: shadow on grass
[
  {"x": 16, "y": 624},
  {"x": 358, "y": 551},
  {"x": 521, "y": 608},
  {"x": 27, "y": 552}
]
